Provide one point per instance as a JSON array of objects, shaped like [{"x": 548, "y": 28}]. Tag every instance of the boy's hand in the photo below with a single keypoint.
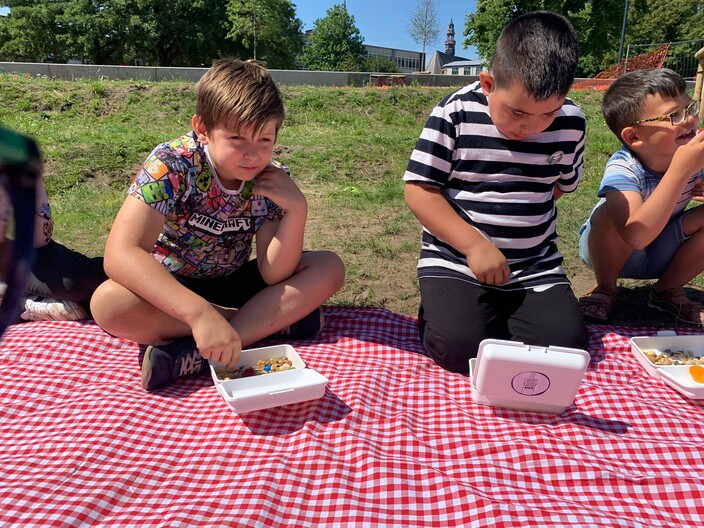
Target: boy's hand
[
  {"x": 698, "y": 190},
  {"x": 689, "y": 158},
  {"x": 217, "y": 340},
  {"x": 277, "y": 185},
  {"x": 488, "y": 264}
]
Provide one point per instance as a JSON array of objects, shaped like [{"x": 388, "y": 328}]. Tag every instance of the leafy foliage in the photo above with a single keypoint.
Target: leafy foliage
[
  {"x": 267, "y": 29},
  {"x": 380, "y": 64},
  {"x": 598, "y": 24},
  {"x": 336, "y": 43},
  {"x": 173, "y": 33}
]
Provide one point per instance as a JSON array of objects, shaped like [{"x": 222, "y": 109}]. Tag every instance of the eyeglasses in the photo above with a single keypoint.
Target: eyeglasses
[{"x": 677, "y": 117}]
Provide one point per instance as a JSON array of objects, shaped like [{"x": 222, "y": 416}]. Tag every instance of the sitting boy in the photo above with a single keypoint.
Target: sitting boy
[
  {"x": 178, "y": 253},
  {"x": 61, "y": 280},
  {"x": 640, "y": 229},
  {"x": 483, "y": 180}
]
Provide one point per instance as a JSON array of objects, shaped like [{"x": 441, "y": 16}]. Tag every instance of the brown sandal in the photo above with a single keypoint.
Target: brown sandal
[
  {"x": 675, "y": 302},
  {"x": 596, "y": 305}
]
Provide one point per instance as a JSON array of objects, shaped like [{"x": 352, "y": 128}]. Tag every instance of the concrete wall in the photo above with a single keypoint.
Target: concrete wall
[{"x": 154, "y": 74}]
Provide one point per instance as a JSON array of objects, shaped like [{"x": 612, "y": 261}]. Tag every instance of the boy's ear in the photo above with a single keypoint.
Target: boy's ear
[
  {"x": 487, "y": 82},
  {"x": 630, "y": 136},
  {"x": 199, "y": 129}
]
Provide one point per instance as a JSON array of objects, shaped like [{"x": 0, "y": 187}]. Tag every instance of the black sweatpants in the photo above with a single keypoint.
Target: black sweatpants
[
  {"x": 61, "y": 273},
  {"x": 455, "y": 316}
]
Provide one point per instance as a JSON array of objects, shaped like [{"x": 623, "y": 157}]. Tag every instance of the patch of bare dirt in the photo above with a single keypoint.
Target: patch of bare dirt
[{"x": 381, "y": 264}]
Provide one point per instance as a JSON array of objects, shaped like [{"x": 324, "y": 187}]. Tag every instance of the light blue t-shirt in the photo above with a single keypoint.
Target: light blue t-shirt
[{"x": 624, "y": 172}]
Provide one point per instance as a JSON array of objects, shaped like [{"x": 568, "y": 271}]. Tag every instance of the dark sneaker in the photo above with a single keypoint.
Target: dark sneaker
[
  {"x": 310, "y": 326},
  {"x": 164, "y": 363}
]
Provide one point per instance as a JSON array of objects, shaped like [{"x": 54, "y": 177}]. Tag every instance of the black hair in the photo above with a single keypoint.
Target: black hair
[
  {"x": 624, "y": 100},
  {"x": 539, "y": 50}
]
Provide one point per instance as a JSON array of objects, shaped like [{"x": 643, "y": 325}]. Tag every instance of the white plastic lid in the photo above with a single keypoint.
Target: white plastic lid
[{"x": 533, "y": 378}]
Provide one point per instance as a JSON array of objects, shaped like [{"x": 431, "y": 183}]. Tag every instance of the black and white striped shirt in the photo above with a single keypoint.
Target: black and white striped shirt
[{"x": 501, "y": 187}]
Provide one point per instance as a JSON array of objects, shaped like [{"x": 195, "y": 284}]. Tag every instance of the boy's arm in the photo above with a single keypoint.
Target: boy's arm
[
  {"x": 434, "y": 212},
  {"x": 43, "y": 224},
  {"x": 128, "y": 261},
  {"x": 280, "y": 244},
  {"x": 640, "y": 222}
]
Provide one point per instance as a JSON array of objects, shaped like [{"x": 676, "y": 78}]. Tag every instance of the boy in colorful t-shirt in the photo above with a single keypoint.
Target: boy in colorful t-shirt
[{"x": 178, "y": 255}]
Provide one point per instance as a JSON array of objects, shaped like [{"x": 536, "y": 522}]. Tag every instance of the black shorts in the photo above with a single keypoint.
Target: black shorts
[{"x": 231, "y": 291}]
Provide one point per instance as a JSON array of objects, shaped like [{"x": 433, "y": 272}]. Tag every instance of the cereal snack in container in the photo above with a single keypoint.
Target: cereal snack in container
[
  {"x": 677, "y": 360},
  {"x": 267, "y": 377}
]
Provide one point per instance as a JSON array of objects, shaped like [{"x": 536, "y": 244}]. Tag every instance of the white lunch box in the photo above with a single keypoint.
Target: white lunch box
[
  {"x": 269, "y": 390},
  {"x": 678, "y": 377},
  {"x": 524, "y": 377}
]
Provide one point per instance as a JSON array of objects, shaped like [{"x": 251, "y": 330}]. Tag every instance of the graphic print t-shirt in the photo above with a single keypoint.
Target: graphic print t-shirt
[{"x": 208, "y": 230}]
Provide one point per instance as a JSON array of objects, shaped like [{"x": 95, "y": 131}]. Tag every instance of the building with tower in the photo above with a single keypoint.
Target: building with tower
[{"x": 447, "y": 63}]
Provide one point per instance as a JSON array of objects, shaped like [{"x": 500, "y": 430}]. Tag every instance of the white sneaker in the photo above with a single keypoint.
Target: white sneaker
[{"x": 47, "y": 309}]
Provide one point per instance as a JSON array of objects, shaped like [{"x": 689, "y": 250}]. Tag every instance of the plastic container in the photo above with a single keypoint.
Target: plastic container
[
  {"x": 678, "y": 377},
  {"x": 270, "y": 390},
  {"x": 517, "y": 376}
]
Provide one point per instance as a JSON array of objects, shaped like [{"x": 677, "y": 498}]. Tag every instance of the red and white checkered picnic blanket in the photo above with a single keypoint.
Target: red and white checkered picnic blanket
[{"x": 395, "y": 441}]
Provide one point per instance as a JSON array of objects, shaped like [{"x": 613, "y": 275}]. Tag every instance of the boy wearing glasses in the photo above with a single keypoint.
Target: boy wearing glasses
[{"x": 640, "y": 228}]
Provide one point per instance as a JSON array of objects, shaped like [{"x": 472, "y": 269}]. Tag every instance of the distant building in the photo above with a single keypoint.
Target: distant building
[
  {"x": 448, "y": 63},
  {"x": 407, "y": 61},
  {"x": 463, "y": 67}
]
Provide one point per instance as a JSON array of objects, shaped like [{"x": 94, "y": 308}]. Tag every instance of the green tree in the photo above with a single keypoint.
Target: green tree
[
  {"x": 336, "y": 44},
  {"x": 173, "y": 33},
  {"x": 423, "y": 25},
  {"x": 179, "y": 32},
  {"x": 653, "y": 21},
  {"x": 266, "y": 30},
  {"x": 597, "y": 22},
  {"x": 31, "y": 30},
  {"x": 377, "y": 63},
  {"x": 94, "y": 30},
  {"x": 656, "y": 22}
]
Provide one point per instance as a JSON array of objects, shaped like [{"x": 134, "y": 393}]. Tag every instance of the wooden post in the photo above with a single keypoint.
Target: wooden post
[{"x": 698, "y": 91}]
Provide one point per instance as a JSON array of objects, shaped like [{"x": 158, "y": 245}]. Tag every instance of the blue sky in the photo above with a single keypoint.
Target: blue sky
[{"x": 383, "y": 22}]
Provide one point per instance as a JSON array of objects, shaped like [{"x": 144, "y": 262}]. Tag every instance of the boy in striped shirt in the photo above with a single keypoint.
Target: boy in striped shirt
[{"x": 483, "y": 180}]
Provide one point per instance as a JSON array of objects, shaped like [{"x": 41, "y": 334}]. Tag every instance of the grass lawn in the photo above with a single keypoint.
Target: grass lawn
[{"x": 347, "y": 149}]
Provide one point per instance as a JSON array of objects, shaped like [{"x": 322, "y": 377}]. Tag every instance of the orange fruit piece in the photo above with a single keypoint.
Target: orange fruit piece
[{"x": 697, "y": 373}]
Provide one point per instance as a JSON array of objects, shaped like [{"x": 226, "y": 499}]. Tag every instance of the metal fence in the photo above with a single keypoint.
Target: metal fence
[{"x": 680, "y": 57}]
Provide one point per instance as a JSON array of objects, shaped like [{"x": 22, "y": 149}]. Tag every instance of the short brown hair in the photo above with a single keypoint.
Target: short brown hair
[
  {"x": 236, "y": 94},
  {"x": 540, "y": 50},
  {"x": 624, "y": 100}
]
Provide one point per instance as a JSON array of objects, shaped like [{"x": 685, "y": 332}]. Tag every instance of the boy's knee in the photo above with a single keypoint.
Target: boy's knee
[
  {"x": 102, "y": 303},
  {"x": 573, "y": 335},
  {"x": 330, "y": 266},
  {"x": 451, "y": 350}
]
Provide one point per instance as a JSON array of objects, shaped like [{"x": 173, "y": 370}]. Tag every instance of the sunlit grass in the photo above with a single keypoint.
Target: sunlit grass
[{"x": 347, "y": 147}]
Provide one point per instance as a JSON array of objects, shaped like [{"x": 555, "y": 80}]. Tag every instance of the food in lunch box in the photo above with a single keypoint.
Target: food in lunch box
[
  {"x": 673, "y": 357},
  {"x": 267, "y": 366}
]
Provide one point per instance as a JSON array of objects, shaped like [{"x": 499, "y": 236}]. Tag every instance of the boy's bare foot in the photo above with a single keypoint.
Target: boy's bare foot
[
  {"x": 675, "y": 302},
  {"x": 596, "y": 305}
]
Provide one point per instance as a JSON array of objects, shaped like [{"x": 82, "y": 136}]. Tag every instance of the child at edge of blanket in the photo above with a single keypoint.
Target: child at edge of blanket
[
  {"x": 483, "y": 180},
  {"x": 640, "y": 228},
  {"x": 61, "y": 280},
  {"x": 178, "y": 254}
]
